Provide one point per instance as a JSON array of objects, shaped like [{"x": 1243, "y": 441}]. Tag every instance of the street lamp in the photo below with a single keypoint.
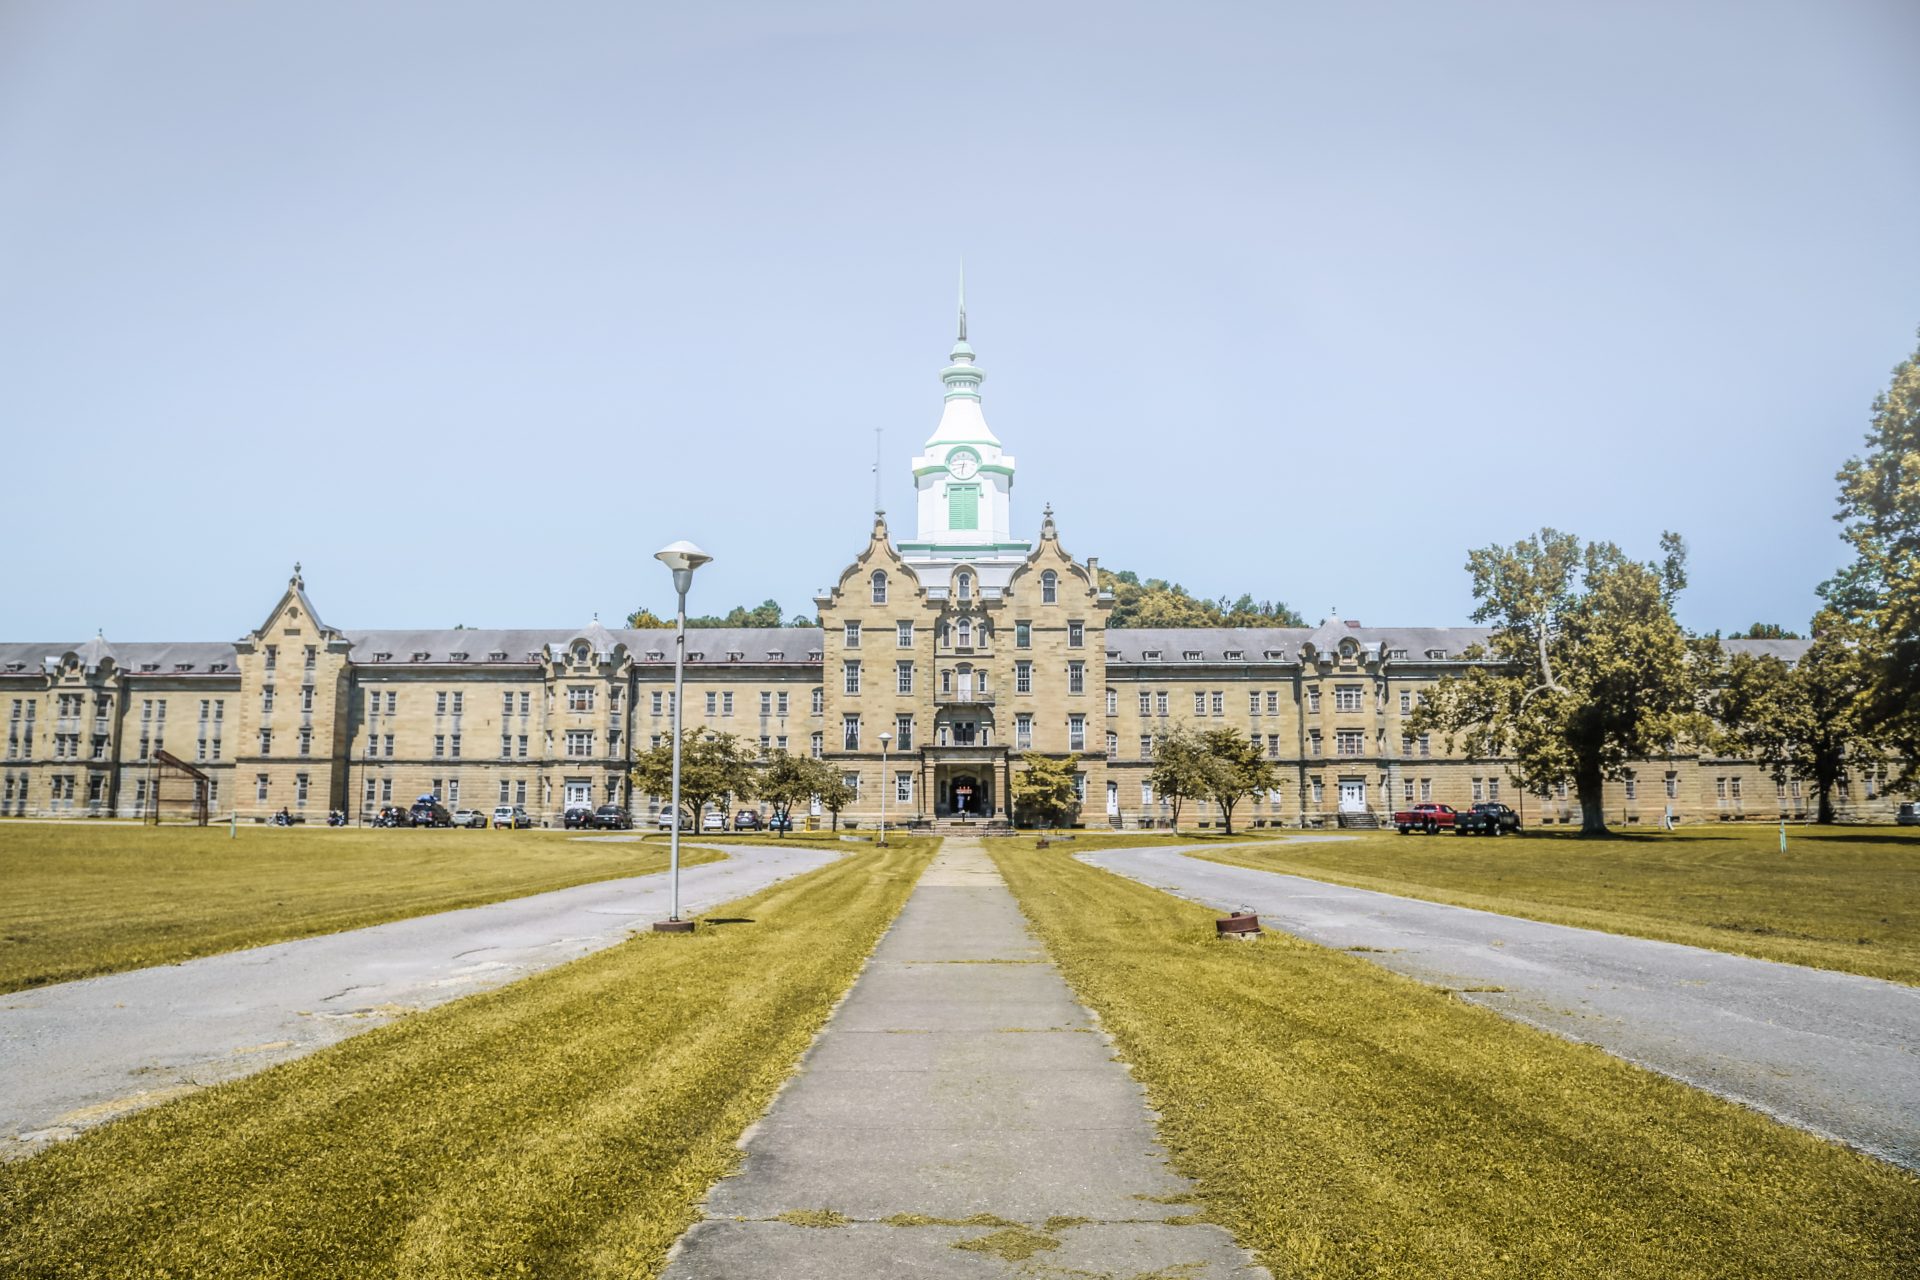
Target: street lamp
[
  {"x": 683, "y": 558},
  {"x": 885, "y": 738}
]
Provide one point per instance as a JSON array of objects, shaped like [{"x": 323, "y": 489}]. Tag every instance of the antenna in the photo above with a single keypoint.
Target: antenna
[
  {"x": 963, "y": 299},
  {"x": 878, "y": 510}
]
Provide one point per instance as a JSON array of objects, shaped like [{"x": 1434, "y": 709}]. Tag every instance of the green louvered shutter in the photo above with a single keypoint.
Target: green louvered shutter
[{"x": 963, "y": 506}]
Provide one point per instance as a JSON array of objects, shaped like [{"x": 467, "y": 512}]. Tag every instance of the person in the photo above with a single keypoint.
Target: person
[{"x": 284, "y": 818}]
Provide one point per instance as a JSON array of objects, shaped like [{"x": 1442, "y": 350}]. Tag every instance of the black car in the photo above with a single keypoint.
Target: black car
[
  {"x": 1486, "y": 819},
  {"x": 611, "y": 817},
  {"x": 429, "y": 813},
  {"x": 746, "y": 820},
  {"x": 576, "y": 818}
]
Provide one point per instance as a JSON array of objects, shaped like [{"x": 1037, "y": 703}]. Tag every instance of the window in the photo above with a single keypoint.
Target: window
[
  {"x": 1146, "y": 746},
  {"x": 1273, "y": 703},
  {"x": 1734, "y": 785},
  {"x": 766, "y": 702},
  {"x": 266, "y": 744},
  {"x": 1113, "y": 745},
  {"x": 1348, "y": 742},
  {"x": 713, "y": 702},
  {"x": 1146, "y": 794},
  {"x": 504, "y": 785},
  {"x": 879, "y": 587},
  {"x": 273, "y": 656},
  {"x": 903, "y": 677},
  {"x": 579, "y": 697},
  {"x": 306, "y": 742},
  {"x": 852, "y": 673},
  {"x": 520, "y": 792},
  {"x": 1146, "y": 703},
  {"x": 1476, "y": 791},
  {"x": 439, "y": 745},
  {"x": 579, "y": 742},
  {"x": 1219, "y": 704},
  {"x": 453, "y": 744},
  {"x": 1023, "y": 732},
  {"x": 389, "y": 746},
  {"x": 780, "y": 704},
  {"x": 506, "y": 746},
  {"x": 1076, "y": 733},
  {"x": 393, "y": 702},
  {"x": 440, "y": 703},
  {"x": 1160, "y": 704},
  {"x": 1022, "y": 635},
  {"x": 903, "y": 635},
  {"x": 1253, "y": 704},
  {"x": 1346, "y": 698},
  {"x": 780, "y": 741},
  {"x": 1076, "y": 635},
  {"x": 1319, "y": 792},
  {"x": 526, "y": 703},
  {"x": 816, "y": 745},
  {"x": 963, "y": 584},
  {"x": 506, "y": 704},
  {"x": 1426, "y": 744},
  {"x": 1313, "y": 742},
  {"x": 1049, "y": 587},
  {"x": 266, "y": 702},
  {"x": 260, "y": 786},
  {"x": 1076, "y": 677},
  {"x": 1426, "y": 790},
  {"x": 658, "y": 698},
  {"x": 903, "y": 733},
  {"x": 1632, "y": 787},
  {"x": 726, "y": 702},
  {"x": 1199, "y": 704},
  {"x": 1673, "y": 785},
  {"x": 1313, "y": 701},
  {"x": 1406, "y": 702},
  {"x": 1023, "y": 677},
  {"x": 819, "y": 701},
  {"x": 850, "y": 731},
  {"x": 1493, "y": 788},
  {"x": 965, "y": 633},
  {"x": 903, "y": 787},
  {"x": 519, "y": 746},
  {"x": 1273, "y": 746},
  {"x": 1113, "y": 702},
  {"x": 853, "y": 635}
]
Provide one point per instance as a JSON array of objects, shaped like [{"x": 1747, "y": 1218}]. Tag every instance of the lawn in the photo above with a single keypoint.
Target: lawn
[
  {"x": 1343, "y": 1121},
  {"x": 566, "y": 1125},
  {"x": 84, "y": 899},
  {"x": 1843, "y": 898}
]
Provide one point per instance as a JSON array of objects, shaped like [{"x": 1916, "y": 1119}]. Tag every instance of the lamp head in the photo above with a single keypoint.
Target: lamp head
[
  {"x": 885, "y": 738},
  {"x": 681, "y": 555}
]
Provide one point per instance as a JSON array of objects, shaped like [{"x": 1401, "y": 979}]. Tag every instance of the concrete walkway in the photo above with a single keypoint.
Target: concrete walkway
[
  {"x": 1830, "y": 1052},
  {"x": 959, "y": 1078},
  {"x": 79, "y": 1053}
]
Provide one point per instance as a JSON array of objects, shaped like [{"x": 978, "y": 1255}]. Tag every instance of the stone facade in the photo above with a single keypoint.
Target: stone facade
[{"x": 939, "y": 661}]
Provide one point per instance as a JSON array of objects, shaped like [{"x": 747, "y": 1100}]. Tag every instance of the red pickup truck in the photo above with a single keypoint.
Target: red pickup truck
[{"x": 1430, "y": 818}]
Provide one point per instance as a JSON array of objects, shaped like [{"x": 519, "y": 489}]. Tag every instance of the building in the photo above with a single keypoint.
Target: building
[{"x": 940, "y": 660}]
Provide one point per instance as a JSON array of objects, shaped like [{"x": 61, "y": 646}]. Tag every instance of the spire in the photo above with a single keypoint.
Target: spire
[
  {"x": 963, "y": 299},
  {"x": 962, "y": 376}
]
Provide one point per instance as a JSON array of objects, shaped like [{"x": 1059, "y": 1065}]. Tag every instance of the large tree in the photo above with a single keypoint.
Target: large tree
[
  {"x": 1155, "y": 602},
  {"x": 1235, "y": 769},
  {"x": 1805, "y": 720},
  {"x": 1182, "y": 768},
  {"x": 765, "y": 614},
  {"x": 1045, "y": 787},
  {"x": 713, "y": 766},
  {"x": 1880, "y": 590},
  {"x": 1589, "y": 670},
  {"x": 788, "y": 780},
  {"x": 835, "y": 793}
]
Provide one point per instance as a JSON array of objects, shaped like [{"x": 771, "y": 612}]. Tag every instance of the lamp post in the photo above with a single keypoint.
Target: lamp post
[
  {"x": 682, "y": 558},
  {"x": 885, "y": 738}
]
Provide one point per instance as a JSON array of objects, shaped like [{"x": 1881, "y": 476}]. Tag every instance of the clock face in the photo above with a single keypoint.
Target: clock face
[{"x": 963, "y": 465}]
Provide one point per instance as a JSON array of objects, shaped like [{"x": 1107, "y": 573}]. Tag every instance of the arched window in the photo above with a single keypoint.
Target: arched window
[
  {"x": 966, "y": 586},
  {"x": 1049, "y": 587},
  {"x": 879, "y": 587},
  {"x": 966, "y": 633}
]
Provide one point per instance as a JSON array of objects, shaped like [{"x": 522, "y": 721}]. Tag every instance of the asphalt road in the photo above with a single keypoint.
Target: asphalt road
[
  {"x": 1833, "y": 1053},
  {"x": 80, "y": 1053}
]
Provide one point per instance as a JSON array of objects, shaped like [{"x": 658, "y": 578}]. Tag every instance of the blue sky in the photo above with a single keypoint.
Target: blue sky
[{"x": 471, "y": 307}]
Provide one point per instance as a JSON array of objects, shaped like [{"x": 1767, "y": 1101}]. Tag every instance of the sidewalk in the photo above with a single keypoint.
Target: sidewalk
[{"x": 960, "y": 1078}]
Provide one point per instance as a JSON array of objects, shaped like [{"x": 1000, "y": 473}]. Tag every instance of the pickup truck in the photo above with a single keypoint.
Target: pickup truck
[
  {"x": 1486, "y": 820},
  {"x": 1430, "y": 818}
]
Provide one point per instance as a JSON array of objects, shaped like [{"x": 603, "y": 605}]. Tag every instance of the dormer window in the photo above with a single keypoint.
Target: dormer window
[
  {"x": 218, "y": 666},
  {"x": 1437, "y": 653},
  {"x": 1396, "y": 655},
  {"x": 1235, "y": 655},
  {"x": 734, "y": 655},
  {"x": 498, "y": 655},
  {"x": 813, "y": 655},
  {"x": 16, "y": 666},
  {"x": 580, "y": 654},
  {"x": 776, "y": 655},
  {"x": 963, "y": 586},
  {"x": 879, "y": 587},
  {"x": 183, "y": 666},
  {"x": 1150, "y": 655},
  {"x": 1049, "y": 587},
  {"x": 696, "y": 657},
  {"x": 456, "y": 657},
  {"x": 1275, "y": 654},
  {"x": 1348, "y": 649},
  {"x": 1190, "y": 655},
  {"x": 149, "y": 666},
  {"x": 655, "y": 655},
  {"x": 421, "y": 655},
  {"x": 382, "y": 657}
]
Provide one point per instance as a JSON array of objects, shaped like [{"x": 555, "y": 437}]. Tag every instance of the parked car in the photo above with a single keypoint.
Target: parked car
[
  {"x": 780, "y": 822},
  {"x": 665, "y": 821},
  {"x": 1488, "y": 819},
  {"x": 429, "y": 813},
  {"x": 469, "y": 818},
  {"x": 1909, "y": 816},
  {"x": 746, "y": 820},
  {"x": 1430, "y": 818},
  {"x": 576, "y": 817},
  {"x": 511, "y": 816},
  {"x": 390, "y": 815},
  {"x": 715, "y": 821},
  {"x": 611, "y": 817}
]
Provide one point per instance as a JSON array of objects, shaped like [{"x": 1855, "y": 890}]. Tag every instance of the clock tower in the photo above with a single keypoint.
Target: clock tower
[{"x": 963, "y": 478}]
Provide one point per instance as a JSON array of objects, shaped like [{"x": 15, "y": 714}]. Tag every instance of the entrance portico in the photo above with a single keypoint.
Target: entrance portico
[{"x": 965, "y": 782}]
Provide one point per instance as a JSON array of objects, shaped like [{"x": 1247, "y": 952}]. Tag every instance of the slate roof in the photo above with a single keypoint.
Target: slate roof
[
  {"x": 755, "y": 644},
  {"x": 1254, "y": 643},
  {"x": 197, "y": 657}
]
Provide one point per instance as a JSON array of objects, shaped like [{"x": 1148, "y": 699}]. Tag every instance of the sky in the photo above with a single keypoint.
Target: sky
[{"x": 470, "y": 307}]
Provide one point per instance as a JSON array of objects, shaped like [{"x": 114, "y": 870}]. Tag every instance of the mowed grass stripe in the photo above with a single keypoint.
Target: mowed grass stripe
[
  {"x": 562, "y": 1126},
  {"x": 83, "y": 899},
  {"x": 1845, "y": 899},
  {"x": 1344, "y": 1121}
]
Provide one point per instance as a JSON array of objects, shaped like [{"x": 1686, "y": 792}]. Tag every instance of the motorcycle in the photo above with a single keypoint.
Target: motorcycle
[{"x": 336, "y": 817}]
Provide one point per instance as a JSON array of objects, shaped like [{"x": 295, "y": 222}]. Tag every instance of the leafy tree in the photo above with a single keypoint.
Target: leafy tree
[
  {"x": 713, "y": 767},
  {"x": 1590, "y": 670},
  {"x": 789, "y": 780},
  {"x": 1236, "y": 769},
  {"x": 1806, "y": 719},
  {"x": 1045, "y": 787},
  {"x": 1156, "y": 602},
  {"x": 835, "y": 793},
  {"x": 1880, "y": 515},
  {"x": 765, "y": 614},
  {"x": 645, "y": 619},
  {"x": 1182, "y": 768},
  {"x": 1767, "y": 631}
]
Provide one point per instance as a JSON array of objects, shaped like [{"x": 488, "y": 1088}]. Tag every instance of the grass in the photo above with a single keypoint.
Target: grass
[
  {"x": 83, "y": 899},
  {"x": 566, "y": 1125},
  {"x": 1845, "y": 898},
  {"x": 1343, "y": 1121}
]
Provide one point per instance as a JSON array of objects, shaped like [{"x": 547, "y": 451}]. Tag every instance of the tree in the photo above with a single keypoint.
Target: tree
[
  {"x": 1045, "y": 787},
  {"x": 1880, "y": 590},
  {"x": 789, "y": 780},
  {"x": 1182, "y": 768},
  {"x": 645, "y": 619},
  {"x": 1766, "y": 631},
  {"x": 712, "y": 767},
  {"x": 1236, "y": 769},
  {"x": 1156, "y": 602},
  {"x": 1588, "y": 672},
  {"x": 1807, "y": 719},
  {"x": 765, "y": 614},
  {"x": 836, "y": 793}
]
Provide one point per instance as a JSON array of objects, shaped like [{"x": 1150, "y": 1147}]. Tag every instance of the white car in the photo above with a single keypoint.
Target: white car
[
  {"x": 714, "y": 822},
  {"x": 469, "y": 818},
  {"x": 665, "y": 821},
  {"x": 512, "y": 815}
]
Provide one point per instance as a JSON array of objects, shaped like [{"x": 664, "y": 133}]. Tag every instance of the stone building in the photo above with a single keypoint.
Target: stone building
[{"x": 940, "y": 660}]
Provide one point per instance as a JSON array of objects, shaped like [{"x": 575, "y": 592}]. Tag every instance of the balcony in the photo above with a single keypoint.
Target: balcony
[{"x": 961, "y": 698}]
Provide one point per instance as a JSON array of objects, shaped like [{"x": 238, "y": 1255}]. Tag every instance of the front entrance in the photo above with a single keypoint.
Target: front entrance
[
  {"x": 579, "y": 793},
  {"x": 1353, "y": 796},
  {"x": 967, "y": 797}
]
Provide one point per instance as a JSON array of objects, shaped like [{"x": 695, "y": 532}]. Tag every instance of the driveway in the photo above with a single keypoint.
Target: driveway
[
  {"x": 1830, "y": 1052},
  {"x": 80, "y": 1053}
]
